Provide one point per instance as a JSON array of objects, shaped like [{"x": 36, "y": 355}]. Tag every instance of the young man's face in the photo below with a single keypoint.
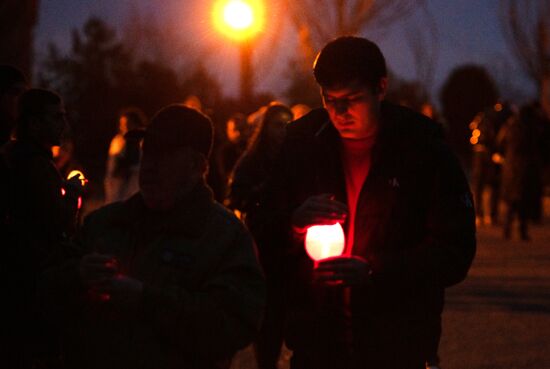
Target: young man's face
[
  {"x": 166, "y": 176},
  {"x": 354, "y": 109}
]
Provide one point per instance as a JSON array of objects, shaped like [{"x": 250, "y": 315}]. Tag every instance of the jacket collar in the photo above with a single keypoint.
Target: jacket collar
[
  {"x": 330, "y": 173},
  {"x": 190, "y": 216}
]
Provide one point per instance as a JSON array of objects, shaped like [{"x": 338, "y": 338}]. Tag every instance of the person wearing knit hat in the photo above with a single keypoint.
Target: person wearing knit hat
[{"x": 170, "y": 277}]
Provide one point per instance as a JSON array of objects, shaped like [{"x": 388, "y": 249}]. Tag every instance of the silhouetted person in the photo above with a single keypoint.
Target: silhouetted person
[
  {"x": 385, "y": 174},
  {"x": 247, "y": 185},
  {"x": 38, "y": 213},
  {"x": 486, "y": 165},
  {"x": 233, "y": 148},
  {"x": 169, "y": 278},
  {"x": 12, "y": 84},
  {"x": 518, "y": 142},
  {"x": 121, "y": 177}
]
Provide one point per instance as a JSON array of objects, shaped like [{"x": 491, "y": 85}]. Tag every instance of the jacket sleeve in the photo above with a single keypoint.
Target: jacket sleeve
[
  {"x": 444, "y": 256},
  {"x": 223, "y": 315}
]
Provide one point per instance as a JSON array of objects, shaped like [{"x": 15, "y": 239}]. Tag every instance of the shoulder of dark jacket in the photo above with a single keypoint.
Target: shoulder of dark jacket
[
  {"x": 311, "y": 124},
  {"x": 409, "y": 123},
  {"x": 115, "y": 213},
  {"x": 226, "y": 217}
]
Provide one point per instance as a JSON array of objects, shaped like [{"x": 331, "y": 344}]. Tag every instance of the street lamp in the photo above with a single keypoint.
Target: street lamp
[{"x": 241, "y": 21}]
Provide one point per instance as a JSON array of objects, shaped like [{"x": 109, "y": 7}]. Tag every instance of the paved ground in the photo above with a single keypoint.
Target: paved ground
[{"x": 499, "y": 318}]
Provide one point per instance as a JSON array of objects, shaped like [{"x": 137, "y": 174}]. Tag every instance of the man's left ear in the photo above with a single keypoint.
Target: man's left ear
[{"x": 382, "y": 88}]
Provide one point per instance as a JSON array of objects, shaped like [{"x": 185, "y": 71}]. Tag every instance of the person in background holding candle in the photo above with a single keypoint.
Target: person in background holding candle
[
  {"x": 384, "y": 173},
  {"x": 168, "y": 278},
  {"x": 122, "y": 169}
]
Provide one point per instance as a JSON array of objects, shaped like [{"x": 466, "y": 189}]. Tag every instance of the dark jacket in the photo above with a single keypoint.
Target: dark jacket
[
  {"x": 519, "y": 143},
  {"x": 203, "y": 288},
  {"x": 35, "y": 221},
  {"x": 415, "y": 225}
]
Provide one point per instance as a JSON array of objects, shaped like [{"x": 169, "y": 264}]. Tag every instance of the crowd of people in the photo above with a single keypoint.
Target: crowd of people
[
  {"x": 509, "y": 153},
  {"x": 198, "y": 249}
]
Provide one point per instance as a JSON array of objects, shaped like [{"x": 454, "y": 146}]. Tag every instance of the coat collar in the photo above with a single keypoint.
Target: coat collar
[
  {"x": 330, "y": 174},
  {"x": 189, "y": 217}
]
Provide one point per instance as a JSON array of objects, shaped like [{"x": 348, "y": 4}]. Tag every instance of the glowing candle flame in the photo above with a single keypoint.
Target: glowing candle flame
[
  {"x": 80, "y": 175},
  {"x": 324, "y": 241}
]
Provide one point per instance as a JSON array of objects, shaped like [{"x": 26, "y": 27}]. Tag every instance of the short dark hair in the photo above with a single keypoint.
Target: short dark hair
[
  {"x": 33, "y": 103},
  {"x": 349, "y": 59},
  {"x": 179, "y": 126},
  {"x": 9, "y": 77}
]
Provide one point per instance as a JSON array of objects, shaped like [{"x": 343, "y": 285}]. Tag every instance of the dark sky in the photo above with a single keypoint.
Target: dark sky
[{"x": 468, "y": 32}]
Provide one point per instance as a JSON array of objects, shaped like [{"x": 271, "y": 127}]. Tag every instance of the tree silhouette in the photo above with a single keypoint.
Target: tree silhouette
[
  {"x": 91, "y": 79},
  {"x": 526, "y": 26},
  {"x": 318, "y": 21},
  {"x": 17, "y": 20},
  {"x": 468, "y": 90}
]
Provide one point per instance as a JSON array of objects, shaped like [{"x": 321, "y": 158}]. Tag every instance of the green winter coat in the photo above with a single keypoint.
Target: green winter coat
[{"x": 203, "y": 292}]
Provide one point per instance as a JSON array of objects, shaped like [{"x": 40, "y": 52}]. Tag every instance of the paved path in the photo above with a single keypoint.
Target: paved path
[{"x": 499, "y": 318}]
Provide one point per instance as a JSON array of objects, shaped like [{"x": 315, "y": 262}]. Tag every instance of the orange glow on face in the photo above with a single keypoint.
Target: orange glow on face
[
  {"x": 239, "y": 19},
  {"x": 324, "y": 241},
  {"x": 498, "y": 107},
  {"x": 80, "y": 175}
]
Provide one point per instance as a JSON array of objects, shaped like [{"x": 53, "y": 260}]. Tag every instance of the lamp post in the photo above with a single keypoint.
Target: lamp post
[{"x": 241, "y": 21}]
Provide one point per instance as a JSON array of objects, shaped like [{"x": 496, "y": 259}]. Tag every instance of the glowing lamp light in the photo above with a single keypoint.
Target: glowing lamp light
[
  {"x": 239, "y": 19},
  {"x": 238, "y": 15},
  {"x": 324, "y": 241}
]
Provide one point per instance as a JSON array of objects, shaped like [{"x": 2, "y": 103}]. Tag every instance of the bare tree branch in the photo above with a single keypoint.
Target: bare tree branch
[
  {"x": 327, "y": 19},
  {"x": 424, "y": 43},
  {"x": 526, "y": 29}
]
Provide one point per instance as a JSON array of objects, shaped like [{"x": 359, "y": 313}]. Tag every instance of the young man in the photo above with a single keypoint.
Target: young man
[
  {"x": 169, "y": 278},
  {"x": 384, "y": 173},
  {"x": 38, "y": 210}
]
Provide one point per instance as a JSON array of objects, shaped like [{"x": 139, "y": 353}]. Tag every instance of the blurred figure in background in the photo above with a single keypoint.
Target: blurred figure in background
[
  {"x": 193, "y": 102},
  {"x": 121, "y": 177},
  {"x": 253, "y": 168},
  {"x": 299, "y": 110},
  {"x": 486, "y": 162},
  {"x": 237, "y": 132},
  {"x": 12, "y": 84},
  {"x": 246, "y": 186},
  {"x": 518, "y": 141}
]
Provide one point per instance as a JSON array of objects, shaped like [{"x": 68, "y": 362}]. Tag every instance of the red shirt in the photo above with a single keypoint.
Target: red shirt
[{"x": 356, "y": 159}]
